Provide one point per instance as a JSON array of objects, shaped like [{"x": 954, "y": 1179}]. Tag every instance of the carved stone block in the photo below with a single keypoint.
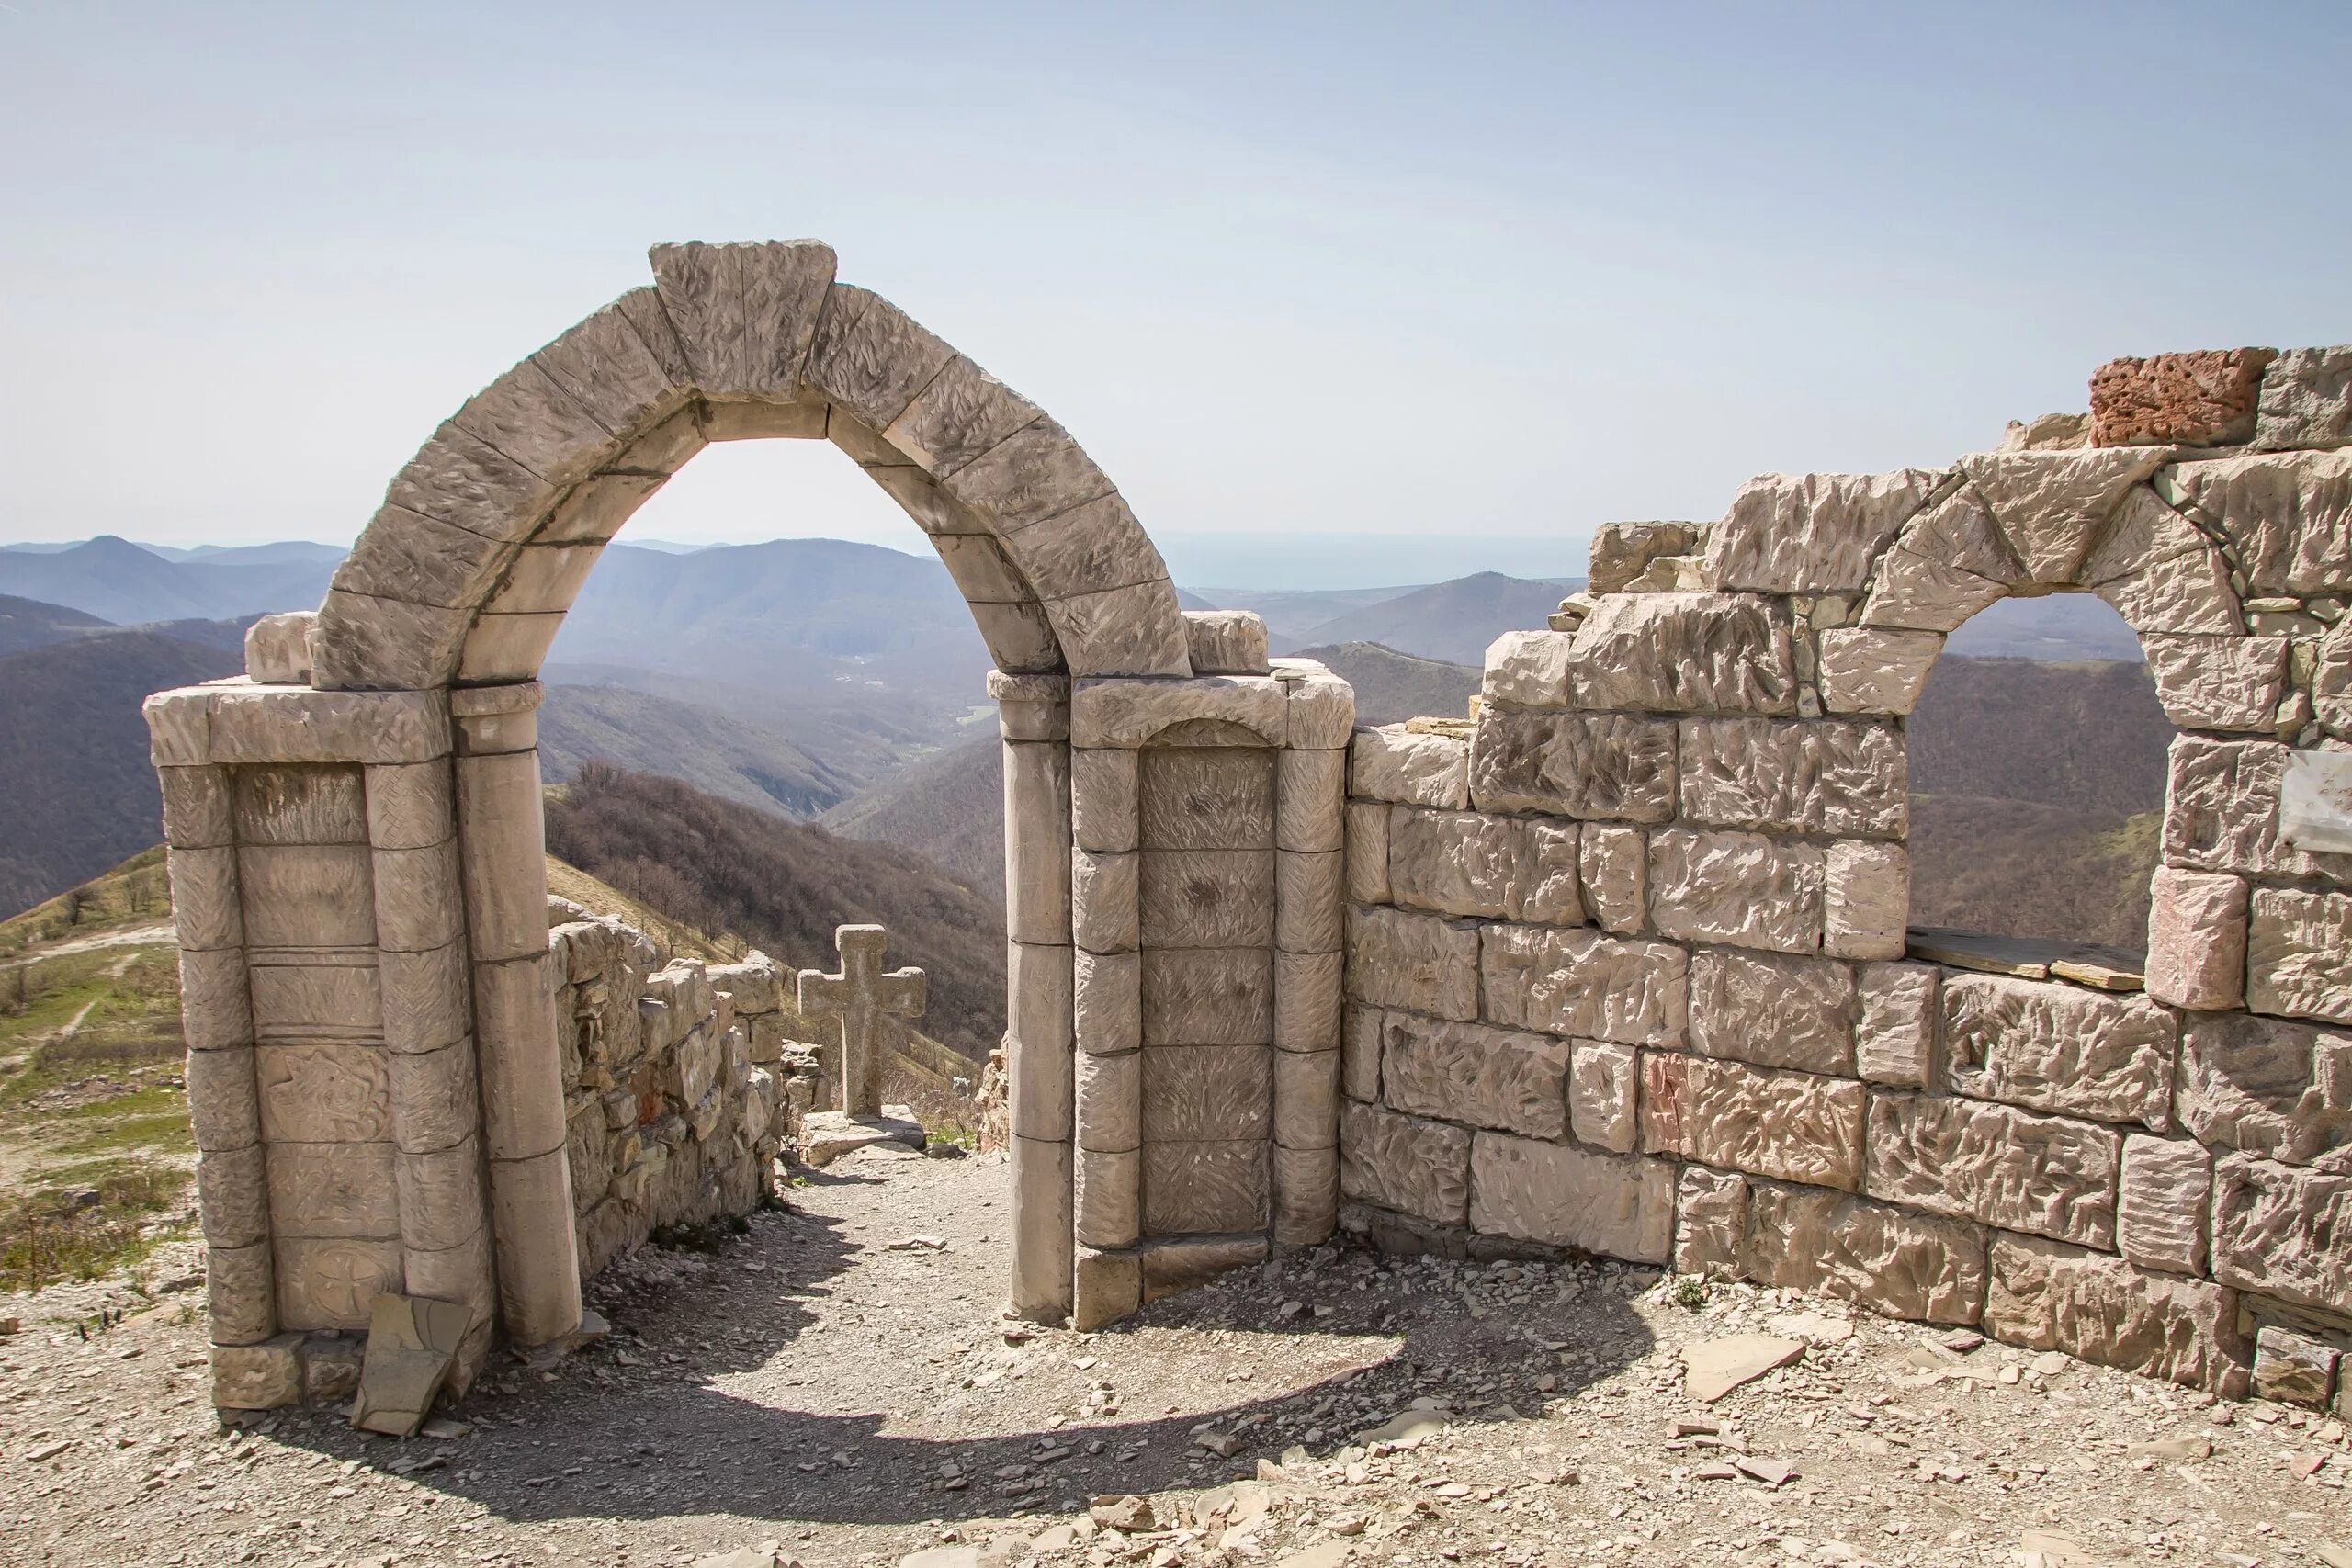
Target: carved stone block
[
  {"x": 1563, "y": 1196},
  {"x": 2058, "y": 1047},
  {"x": 232, "y": 1193},
  {"x": 1404, "y": 1163},
  {"x": 1192, "y": 1188},
  {"x": 239, "y": 1296},
  {"x": 1368, "y": 851},
  {"x": 1208, "y": 997},
  {"x": 267, "y": 1376},
  {"x": 1865, "y": 898},
  {"x": 2196, "y": 933},
  {"x": 1458, "y": 862},
  {"x": 1895, "y": 1263},
  {"x": 1870, "y": 670},
  {"x": 1423, "y": 962},
  {"x": 306, "y": 895},
  {"x": 2045, "y": 1296},
  {"x": 2006, "y": 1167},
  {"x": 1307, "y": 1099},
  {"x": 1827, "y": 777},
  {"x": 1208, "y": 897},
  {"x": 1108, "y": 1196},
  {"x": 1812, "y": 532},
  {"x": 327, "y": 1093},
  {"x": 1391, "y": 764},
  {"x": 197, "y": 813},
  {"x": 294, "y": 803},
  {"x": 301, "y": 995},
  {"x": 1310, "y": 901},
  {"x": 2161, "y": 1203},
  {"x": 1207, "y": 798},
  {"x": 224, "y": 1103},
  {"x": 2267, "y": 1087},
  {"x": 1772, "y": 1011},
  {"x": 1894, "y": 1032},
  {"x": 327, "y": 1284},
  {"x": 1604, "y": 1095},
  {"x": 205, "y": 908},
  {"x": 1740, "y": 888},
  {"x": 1469, "y": 1072},
  {"x": 1577, "y": 982},
  {"x": 1308, "y": 1000},
  {"x": 2279, "y": 1230},
  {"x": 1594, "y": 767},
  {"x": 1683, "y": 653},
  {"x": 2299, "y": 955},
  {"x": 1311, "y": 789},
  {"x": 1202, "y": 1093},
  {"x": 1104, "y": 793},
  {"x": 1795, "y": 1126},
  {"x": 1710, "y": 1222},
  {"x": 1109, "y": 1002},
  {"x": 1613, "y": 865}
]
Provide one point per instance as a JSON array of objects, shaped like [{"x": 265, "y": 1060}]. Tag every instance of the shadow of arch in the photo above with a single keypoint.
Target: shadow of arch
[{"x": 463, "y": 576}]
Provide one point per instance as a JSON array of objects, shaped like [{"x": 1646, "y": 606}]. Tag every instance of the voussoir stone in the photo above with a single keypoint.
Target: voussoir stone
[
  {"x": 1875, "y": 669},
  {"x": 1575, "y": 981},
  {"x": 1812, "y": 532},
  {"x": 2006, "y": 1167},
  {"x": 2299, "y": 953},
  {"x": 1794, "y": 1126},
  {"x": 1892, "y": 1262},
  {"x": 2281, "y": 1230},
  {"x": 2269, "y": 1087},
  {"x": 1772, "y": 1011},
  {"x": 1822, "y": 776},
  {"x": 2046, "y": 1296},
  {"x": 2056, "y": 1047},
  {"x": 2052, "y": 507},
  {"x": 1405, "y": 1163},
  {"x": 2218, "y": 682},
  {"x": 2160, "y": 573},
  {"x": 1683, "y": 653},
  {"x": 1588, "y": 766},
  {"x": 1389, "y": 763},
  {"x": 1741, "y": 888},
  {"x": 1424, "y": 962},
  {"x": 2306, "y": 400},
  {"x": 1618, "y": 1206},
  {"x": 1474, "y": 1073}
]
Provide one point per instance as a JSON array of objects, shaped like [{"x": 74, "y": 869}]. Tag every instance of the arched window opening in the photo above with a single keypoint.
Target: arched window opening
[{"x": 2036, "y": 778}]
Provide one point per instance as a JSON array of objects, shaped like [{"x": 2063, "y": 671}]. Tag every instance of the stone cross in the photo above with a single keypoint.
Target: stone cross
[{"x": 861, "y": 996}]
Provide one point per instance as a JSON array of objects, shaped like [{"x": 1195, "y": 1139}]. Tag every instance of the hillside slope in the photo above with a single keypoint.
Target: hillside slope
[
  {"x": 28, "y": 623},
  {"x": 949, "y": 808},
  {"x": 1392, "y": 685},
  {"x": 127, "y": 584},
  {"x": 725, "y": 754},
  {"x": 785, "y": 885},
  {"x": 1453, "y": 621}
]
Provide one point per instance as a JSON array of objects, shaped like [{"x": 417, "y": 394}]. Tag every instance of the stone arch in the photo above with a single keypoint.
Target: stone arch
[{"x": 463, "y": 576}]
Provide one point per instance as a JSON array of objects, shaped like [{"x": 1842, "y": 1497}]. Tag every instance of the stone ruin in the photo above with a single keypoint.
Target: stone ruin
[{"x": 1620, "y": 965}]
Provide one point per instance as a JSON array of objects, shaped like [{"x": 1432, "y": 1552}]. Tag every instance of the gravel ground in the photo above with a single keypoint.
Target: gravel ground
[{"x": 836, "y": 1385}]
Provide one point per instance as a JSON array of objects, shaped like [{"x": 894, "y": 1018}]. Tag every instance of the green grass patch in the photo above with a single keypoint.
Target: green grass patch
[{"x": 89, "y": 1220}]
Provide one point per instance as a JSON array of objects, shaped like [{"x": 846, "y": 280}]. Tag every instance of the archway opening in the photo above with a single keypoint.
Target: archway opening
[{"x": 2036, "y": 756}]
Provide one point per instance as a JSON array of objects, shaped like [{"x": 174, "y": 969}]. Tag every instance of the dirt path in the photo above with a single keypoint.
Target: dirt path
[
  {"x": 839, "y": 1383},
  {"x": 151, "y": 933}
]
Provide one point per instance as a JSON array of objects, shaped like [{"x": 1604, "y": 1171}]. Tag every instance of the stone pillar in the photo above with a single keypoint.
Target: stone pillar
[
  {"x": 1033, "y": 715},
  {"x": 1310, "y": 886},
  {"x": 502, "y": 841}
]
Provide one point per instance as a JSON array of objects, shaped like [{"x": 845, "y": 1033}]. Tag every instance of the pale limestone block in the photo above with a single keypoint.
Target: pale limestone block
[
  {"x": 1039, "y": 1039},
  {"x": 503, "y": 830},
  {"x": 1108, "y": 1287},
  {"x": 868, "y": 358},
  {"x": 424, "y": 560},
  {"x": 440, "y": 1197},
  {"x": 1170, "y": 1267},
  {"x": 1192, "y": 1188},
  {"x": 1131, "y": 631},
  {"x": 1621, "y": 552},
  {"x": 2097, "y": 1308},
  {"x": 2288, "y": 515},
  {"x": 1552, "y": 894},
  {"x": 959, "y": 414},
  {"x": 426, "y": 999},
  {"x": 983, "y": 573},
  {"x": 1948, "y": 563},
  {"x": 460, "y": 479},
  {"x": 1683, "y": 653},
  {"x": 436, "y": 1097},
  {"x": 1812, "y": 532},
  {"x": 409, "y": 806},
  {"x": 2299, "y": 955},
  {"x": 2160, "y": 573},
  {"x": 1309, "y": 796},
  {"x": 1710, "y": 1222},
  {"x": 1468, "y": 1072},
  {"x": 2266, "y": 1087},
  {"x": 2223, "y": 812},
  {"x": 1387, "y": 763},
  {"x": 1043, "y": 1181},
  {"x": 596, "y": 510},
  {"x": 1603, "y": 1096},
  {"x": 1590, "y": 766},
  {"x": 1037, "y": 475},
  {"x": 2004, "y": 1167},
  {"x": 1225, "y": 642},
  {"x": 506, "y": 648},
  {"x": 307, "y": 895},
  {"x": 1795, "y": 1126},
  {"x": 494, "y": 719},
  {"x": 289, "y": 806},
  {"x": 1308, "y": 1000},
  {"x": 1577, "y": 982},
  {"x": 216, "y": 1010},
  {"x": 1613, "y": 865},
  {"x": 1876, "y": 671},
  {"x": 1207, "y": 898},
  {"x": 1207, "y": 798},
  {"x": 2161, "y": 1202},
  {"x": 323, "y": 1093},
  {"x": 232, "y": 1195},
  {"x": 1030, "y": 706},
  {"x": 1320, "y": 710},
  {"x": 1740, "y": 888},
  {"x": 323, "y": 1190},
  {"x": 1895, "y": 1263},
  {"x": 1360, "y": 1041},
  {"x": 607, "y": 366},
  {"x": 2197, "y": 934},
  {"x": 1036, "y": 842},
  {"x": 754, "y": 983},
  {"x": 2051, "y": 506},
  {"x": 2306, "y": 400},
  {"x": 2280, "y": 1230},
  {"x": 1208, "y": 997},
  {"x": 196, "y": 813},
  {"x": 206, "y": 914},
  {"x": 744, "y": 313},
  {"x": 1306, "y": 1195},
  {"x": 1527, "y": 670},
  {"x": 420, "y": 899},
  {"x": 2291, "y": 1368},
  {"x": 1458, "y": 862},
  {"x": 1404, "y": 1163},
  {"x": 526, "y": 416},
  {"x": 462, "y": 1273},
  {"x": 1564, "y": 1196},
  {"x": 1772, "y": 1011},
  {"x": 2331, "y": 686},
  {"x": 1865, "y": 899},
  {"x": 277, "y": 648},
  {"x": 240, "y": 1300},
  {"x": 1102, "y": 785},
  {"x": 1019, "y": 637},
  {"x": 1202, "y": 1093},
  {"x": 1108, "y": 1015},
  {"x": 2218, "y": 682},
  {"x": 1894, "y": 1030},
  {"x": 1423, "y": 962},
  {"x": 1307, "y": 1099},
  {"x": 1310, "y": 898},
  {"x": 1103, "y": 900},
  {"x": 1368, "y": 851},
  {"x": 362, "y": 644},
  {"x": 223, "y": 1101},
  {"x": 535, "y": 1245},
  {"x": 1109, "y": 1091},
  {"x": 301, "y": 995},
  {"x": 1829, "y": 777},
  {"x": 179, "y": 726},
  {"x": 1109, "y": 1196},
  {"x": 522, "y": 1090}
]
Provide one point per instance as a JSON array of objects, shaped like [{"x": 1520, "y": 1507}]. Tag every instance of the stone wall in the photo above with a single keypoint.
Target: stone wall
[{"x": 1627, "y": 965}]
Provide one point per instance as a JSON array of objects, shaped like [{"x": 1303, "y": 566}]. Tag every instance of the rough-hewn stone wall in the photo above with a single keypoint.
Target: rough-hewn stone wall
[{"x": 1626, "y": 961}]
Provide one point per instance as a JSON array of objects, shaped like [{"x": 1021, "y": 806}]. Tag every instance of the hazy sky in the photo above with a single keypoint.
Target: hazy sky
[{"x": 1465, "y": 279}]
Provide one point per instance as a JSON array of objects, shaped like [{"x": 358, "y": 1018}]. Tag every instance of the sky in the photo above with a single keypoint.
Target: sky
[{"x": 1337, "y": 295}]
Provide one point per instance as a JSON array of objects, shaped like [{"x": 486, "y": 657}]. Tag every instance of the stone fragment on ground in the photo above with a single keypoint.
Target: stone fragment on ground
[
  {"x": 412, "y": 1342},
  {"x": 1715, "y": 1367}
]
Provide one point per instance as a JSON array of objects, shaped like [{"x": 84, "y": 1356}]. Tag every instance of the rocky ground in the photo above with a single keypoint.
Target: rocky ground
[{"x": 835, "y": 1385}]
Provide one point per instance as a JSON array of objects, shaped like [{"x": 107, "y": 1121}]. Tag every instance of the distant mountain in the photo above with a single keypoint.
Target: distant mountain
[
  {"x": 120, "y": 581},
  {"x": 2056, "y": 627},
  {"x": 1453, "y": 621},
  {"x": 718, "y": 752},
  {"x": 1392, "y": 685},
  {"x": 1292, "y": 616},
  {"x": 785, "y": 885},
  {"x": 28, "y": 623},
  {"x": 77, "y": 791},
  {"x": 949, "y": 807}
]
